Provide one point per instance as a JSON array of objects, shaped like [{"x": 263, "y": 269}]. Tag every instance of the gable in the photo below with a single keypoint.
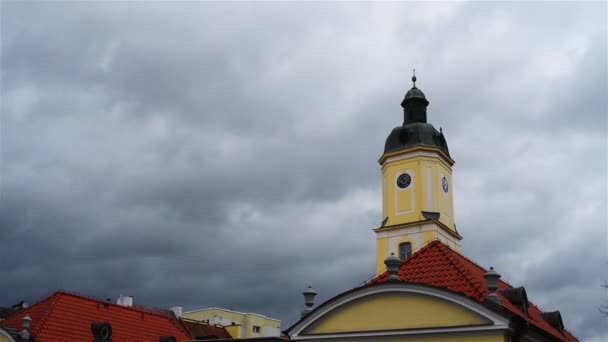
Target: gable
[
  {"x": 396, "y": 308},
  {"x": 438, "y": 265},
  {"x": 395, "y": 311}
]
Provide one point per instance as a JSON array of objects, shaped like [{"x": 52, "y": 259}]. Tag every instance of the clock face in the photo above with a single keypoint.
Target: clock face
[
  {"x": 404, "y": 180},
  {"x": 444, "y": 184}
]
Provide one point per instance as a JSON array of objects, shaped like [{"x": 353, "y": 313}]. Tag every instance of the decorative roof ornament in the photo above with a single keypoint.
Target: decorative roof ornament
[
  {"x": 25, "y": 333},
  {"x": 309, "y": 300},
  {"x": 414, "y": 78},
  {"x": 392, "y": 267},
  {"x": 414, "y": 93},
  {"x": 492, "y": 278}
]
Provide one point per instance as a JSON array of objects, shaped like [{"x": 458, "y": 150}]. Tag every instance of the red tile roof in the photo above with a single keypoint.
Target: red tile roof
[
  {"x": 438, "y": 265},
  {"x": 66, "y": 317},
  {"x": 199, "y": 329}
]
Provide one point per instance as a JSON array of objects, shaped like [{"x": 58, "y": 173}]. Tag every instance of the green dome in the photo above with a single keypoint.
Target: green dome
[
  {"x": 415, "y": 130},
  {"x": 414, "y": 92},
  {"x": 415, "y": 134}
]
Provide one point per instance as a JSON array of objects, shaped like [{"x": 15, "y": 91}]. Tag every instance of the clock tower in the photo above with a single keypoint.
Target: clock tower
[{"x": 416, "y": 166}]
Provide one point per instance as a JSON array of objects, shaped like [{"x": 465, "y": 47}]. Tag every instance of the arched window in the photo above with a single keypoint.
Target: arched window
[{"x": 405, "y": 250}]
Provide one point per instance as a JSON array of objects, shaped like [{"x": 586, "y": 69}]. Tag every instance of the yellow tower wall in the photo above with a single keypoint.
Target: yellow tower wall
[
  {"x": 402, "y": 207},
  {"x": 423, "y": 194}
]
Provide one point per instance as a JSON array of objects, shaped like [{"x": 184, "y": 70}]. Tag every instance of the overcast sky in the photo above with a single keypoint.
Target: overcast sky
[{"x": 225, "y": 155}]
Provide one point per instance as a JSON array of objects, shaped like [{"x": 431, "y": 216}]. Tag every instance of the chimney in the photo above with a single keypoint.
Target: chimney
[
  {"x": 309, "y": 300},
  {"x": 25, "y": 323},
  {"x": 492, "y": 283},
  {"x": 392, "y": 267},
  {"x": 126, "y": 301},
  {"x": 177, "y": 310}
]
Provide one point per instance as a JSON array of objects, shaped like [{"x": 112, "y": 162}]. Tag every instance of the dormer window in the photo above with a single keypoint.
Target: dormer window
[
  {"x": 517, "y": 296},
  {"x": 405, "y": 250},
  {"x": 554, "y": 318}
]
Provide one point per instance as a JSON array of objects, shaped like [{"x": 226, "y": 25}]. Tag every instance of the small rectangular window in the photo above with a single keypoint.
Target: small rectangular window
[
  {"x": 256, "y": 329},
  {"x": 405, "y": 250}
]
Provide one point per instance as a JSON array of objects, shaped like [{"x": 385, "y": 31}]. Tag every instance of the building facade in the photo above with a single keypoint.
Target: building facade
[
  {"x": 425, "y": 289},
  {"x": 239, "y": 324}
]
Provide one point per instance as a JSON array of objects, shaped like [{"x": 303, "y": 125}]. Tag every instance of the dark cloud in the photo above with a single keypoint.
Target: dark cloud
[{"x": 225, "y": 155}]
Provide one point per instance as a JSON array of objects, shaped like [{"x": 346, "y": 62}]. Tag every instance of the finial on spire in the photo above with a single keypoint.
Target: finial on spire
[{"x": 414, "y": 77}]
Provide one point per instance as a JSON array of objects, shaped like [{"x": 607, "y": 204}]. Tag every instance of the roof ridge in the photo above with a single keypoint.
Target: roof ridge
[
  {"x": 139, "y": 309},
  {"x": 449, "y": 254},
  {"x": 421, "y": 251},
  {"x": 180, "y": 325},
  {"x": 54, "y": 299}
]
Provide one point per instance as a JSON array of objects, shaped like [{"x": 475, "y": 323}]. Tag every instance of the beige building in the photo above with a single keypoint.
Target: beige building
[{"x": 238, "y": 324}]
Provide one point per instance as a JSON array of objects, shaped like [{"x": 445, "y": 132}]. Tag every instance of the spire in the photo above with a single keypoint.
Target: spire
[
  {"x": 414, "y": 78},
  {"x": 414, "y": 104}
]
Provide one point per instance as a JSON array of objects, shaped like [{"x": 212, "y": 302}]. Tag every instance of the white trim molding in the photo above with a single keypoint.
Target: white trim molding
[
  {"x": 6, "y": 335},
  {"x": 417, "y": 153}
]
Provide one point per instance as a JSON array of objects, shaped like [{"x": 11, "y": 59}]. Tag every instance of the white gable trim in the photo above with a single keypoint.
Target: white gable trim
[
  {"x": 416, "y": 153},
  {"x": 6, "y": 335},
  {"x": 497, "y": 322}
]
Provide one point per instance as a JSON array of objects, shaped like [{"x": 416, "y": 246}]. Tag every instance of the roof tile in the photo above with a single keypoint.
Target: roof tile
[{"x": 66, "y": 317}]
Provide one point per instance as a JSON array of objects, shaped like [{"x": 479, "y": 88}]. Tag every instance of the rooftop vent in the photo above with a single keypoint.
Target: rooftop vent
[
  {"x": 517, "y": 296},
  {"x": 177, "y": 310},
  {"x": 102, "y": 332},
  {"x": 126, "y": 301},
  {"x": 555, "y": 319}
]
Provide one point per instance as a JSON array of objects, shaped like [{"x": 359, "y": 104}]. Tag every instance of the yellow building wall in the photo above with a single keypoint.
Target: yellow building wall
[
  {"x": 444, "y": 203},
  {"x": 244, "y": 322},
  {"x": 381, "y": 254},
  {"x": 463, "y": 337},
  {"x": 406, "y": 205},
  {"x": 396, "y": 311},
  {"x": 235, "y": 331},
  {"x": 4, "y": 338}
]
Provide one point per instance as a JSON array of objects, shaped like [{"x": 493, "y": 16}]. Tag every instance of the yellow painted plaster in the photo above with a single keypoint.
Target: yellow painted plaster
[
  {"x": 468, "y": 337},
  {"x": 394, "y": 311},
  {"x": 234, "y": 331},
  {"x": 243, "y": 322},
  {"x": 398, "y": 204},
  {"x": 425, "y": 193},
  {"x": 381, "y": 251},
  {"x": 430, "y": 236},
  {"x": 5, "y": 337}
]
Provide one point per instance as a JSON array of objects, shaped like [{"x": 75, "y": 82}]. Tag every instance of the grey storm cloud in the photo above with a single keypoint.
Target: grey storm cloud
[{"x": 225, "y": 155}]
